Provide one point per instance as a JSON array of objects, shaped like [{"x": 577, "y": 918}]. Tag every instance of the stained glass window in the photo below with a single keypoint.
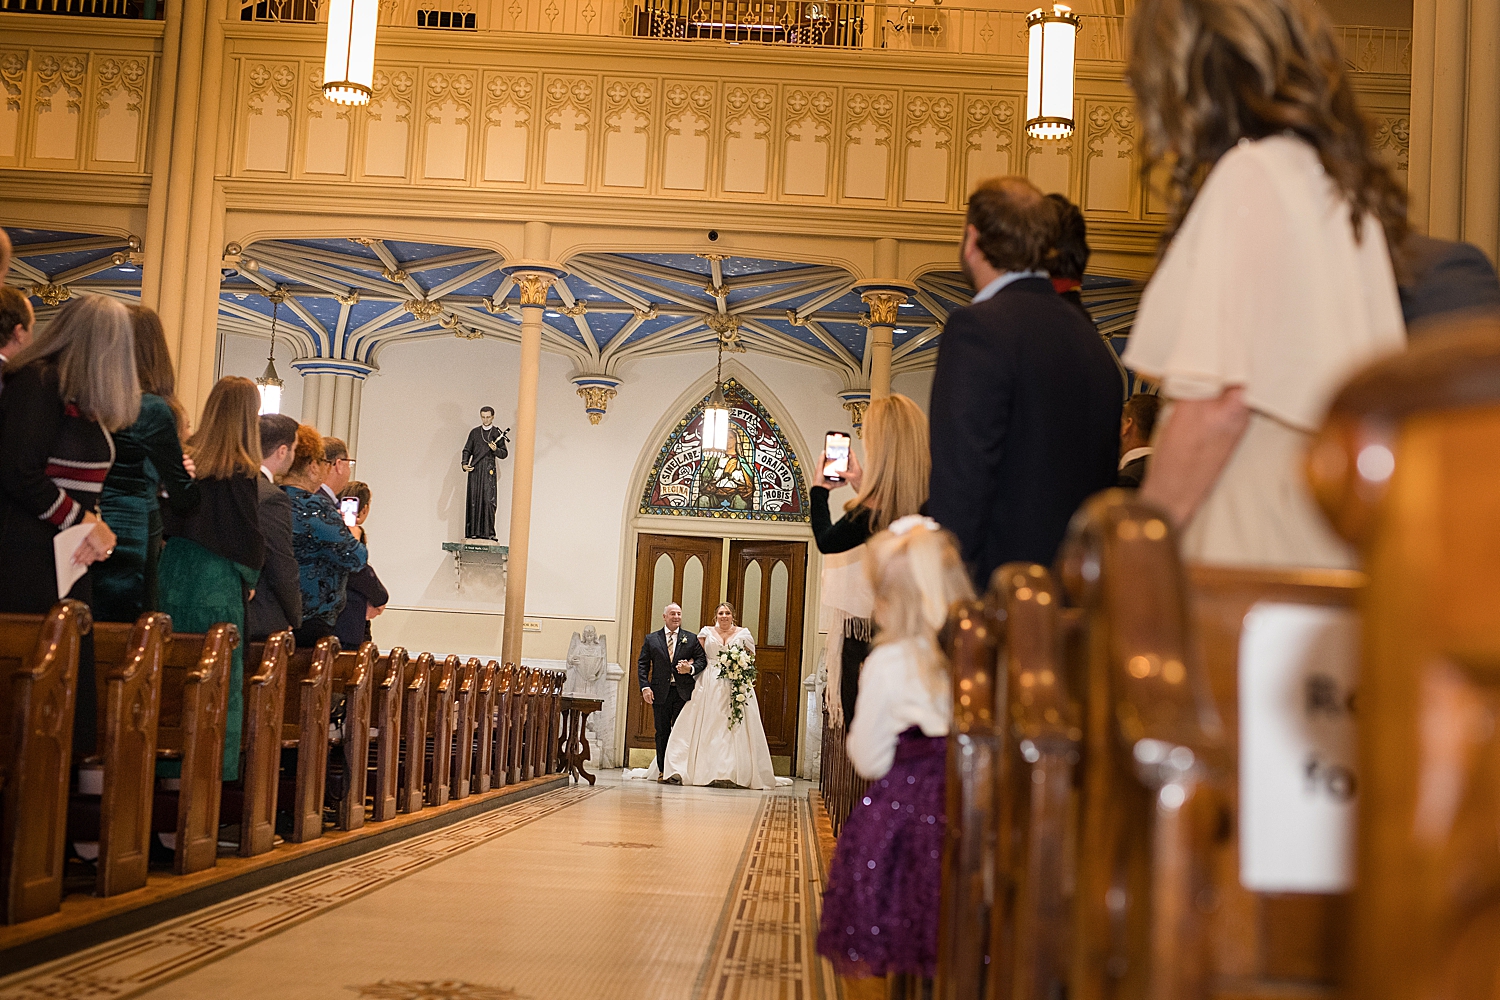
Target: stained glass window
[{"x": 758, "y": 479}]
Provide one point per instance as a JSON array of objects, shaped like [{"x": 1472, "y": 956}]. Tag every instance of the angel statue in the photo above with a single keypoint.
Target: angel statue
[{"x": 587, "y": 655}]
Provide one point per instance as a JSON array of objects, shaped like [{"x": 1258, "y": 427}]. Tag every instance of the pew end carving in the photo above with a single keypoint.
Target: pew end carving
[
  {"x": 265, "y": 706},
  {"x": 38, "y": 678},
  {"x": 1407, "y": 467}
]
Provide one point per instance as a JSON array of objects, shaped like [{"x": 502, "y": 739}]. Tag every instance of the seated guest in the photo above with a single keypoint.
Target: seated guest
[
  {"x": 148, "y": 460},
  {"x": 214, "y": 554},
  {"x": 1276, "y": 284},
  {"x": 1025, "y": 411},
  {"x": 365, "y": 596},
  {"x": 1137, "y": 424},
  {"x": 277, "y": 604},
  {"x": 1441, "y": 278},
  {"x": 63, "y": 395},
  {"x": 16, "y": 322},
  {"x": 326, "y": 550},
  {"x": 895, "y": 435}
]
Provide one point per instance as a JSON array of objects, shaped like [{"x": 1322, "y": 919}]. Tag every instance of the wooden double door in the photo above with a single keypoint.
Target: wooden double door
[{"x": 765, "y": 583}]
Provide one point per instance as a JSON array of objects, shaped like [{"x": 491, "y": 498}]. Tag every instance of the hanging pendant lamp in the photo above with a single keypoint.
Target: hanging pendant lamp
[
  {"x": 716, "y": 413},
  {"x": 270, "y": 383},
  {"x": 1049, "y": 72},
  {"x": 349, "y": 59}
]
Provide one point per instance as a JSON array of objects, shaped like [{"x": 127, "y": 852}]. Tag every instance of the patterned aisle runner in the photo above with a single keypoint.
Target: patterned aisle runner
[
  {"x": 130, "y": 965},
  {"x": 765, "y": 945}
]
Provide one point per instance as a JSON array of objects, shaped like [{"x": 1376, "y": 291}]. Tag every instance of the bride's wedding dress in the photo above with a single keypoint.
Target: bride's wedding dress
[{"x": 703, "y": 749}]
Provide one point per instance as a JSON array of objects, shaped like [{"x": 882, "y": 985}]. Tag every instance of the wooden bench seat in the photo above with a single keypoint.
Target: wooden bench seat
[
  {"x": 441, "y": 705},
  {"x": 411, "y": 787},
  {"x": 190, "y": 702},
  {"x": 353, "y": 678},
  {"x": 385, "y": 734},
  {"x": 38, "y": 686}
]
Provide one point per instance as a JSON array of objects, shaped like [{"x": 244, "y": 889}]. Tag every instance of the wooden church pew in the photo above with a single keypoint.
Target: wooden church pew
[
  {"x": 128, "y": 669},
  {"x": 554, "y": 722},
  {"x": 461, "y": 760},
  {"x": 260, "y": 773},
  {"x": 410, "y": 794},
  {"x": 1161, "y": 909},
  {"x": 442, "y": 691},
  {"x": 385, "y": 733},
  {"x": 484, "y": 735},
  {"x": 38, "y": 686},
  {"x": 1037, "y": 797},
  {"x": 353, "y": 676},
  {"x": 505, "y": 680},
  {"x": 1408, "y": 467},
  {"x": 974, "y": 756},
  {"x": 519, "y": 699},
  {"x": 186, "y": 708},
  {"x": 305, "y": 726}
]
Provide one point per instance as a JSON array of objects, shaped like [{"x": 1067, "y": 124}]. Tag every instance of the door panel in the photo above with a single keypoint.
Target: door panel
[
  {"x": 667, "y": 568},
  {"x": 766, "y": 580}
]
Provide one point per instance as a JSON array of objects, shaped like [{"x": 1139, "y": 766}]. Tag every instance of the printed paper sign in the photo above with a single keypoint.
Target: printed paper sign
[{"x": 1297, "y": 674}]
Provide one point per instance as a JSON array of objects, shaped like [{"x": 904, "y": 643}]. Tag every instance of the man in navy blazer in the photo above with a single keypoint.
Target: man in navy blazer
[
  {"x": 670, "y": 662},
  {"x": 1025, "y": 410}
]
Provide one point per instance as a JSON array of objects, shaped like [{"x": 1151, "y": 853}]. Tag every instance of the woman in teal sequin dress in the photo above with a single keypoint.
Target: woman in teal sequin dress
[
  {"x": 214, "y": 554},
  {"x": 148, "y": 457}
]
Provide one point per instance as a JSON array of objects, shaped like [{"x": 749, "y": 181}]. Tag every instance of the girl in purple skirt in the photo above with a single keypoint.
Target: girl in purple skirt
[{"x": 880, "y": 909}]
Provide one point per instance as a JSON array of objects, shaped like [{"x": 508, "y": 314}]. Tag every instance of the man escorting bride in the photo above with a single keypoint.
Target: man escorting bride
[{"x": 705, "y": 745}]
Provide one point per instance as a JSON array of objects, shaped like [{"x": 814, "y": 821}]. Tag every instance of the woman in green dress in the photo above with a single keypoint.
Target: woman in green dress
[
  {"x": 214, "y": 554},
  {"x": 148, "y": 458}
]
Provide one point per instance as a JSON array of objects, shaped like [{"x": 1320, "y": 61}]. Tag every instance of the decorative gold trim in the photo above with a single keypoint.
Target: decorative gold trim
[{"x": 534, "y": 287}]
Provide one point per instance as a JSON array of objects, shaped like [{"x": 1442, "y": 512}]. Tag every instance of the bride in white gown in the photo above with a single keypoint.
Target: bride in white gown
[{"x": 703, "y": 750}]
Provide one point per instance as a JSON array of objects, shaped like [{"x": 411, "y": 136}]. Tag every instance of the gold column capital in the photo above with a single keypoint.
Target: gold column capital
[{"x": 883, "y": 306}]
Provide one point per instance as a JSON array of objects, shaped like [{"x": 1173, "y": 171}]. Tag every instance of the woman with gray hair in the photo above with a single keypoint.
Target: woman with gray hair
[{"x": 62, "y": 397}]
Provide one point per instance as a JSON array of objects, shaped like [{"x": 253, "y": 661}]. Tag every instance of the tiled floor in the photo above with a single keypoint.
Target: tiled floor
[{"x": 629, "y": 890}]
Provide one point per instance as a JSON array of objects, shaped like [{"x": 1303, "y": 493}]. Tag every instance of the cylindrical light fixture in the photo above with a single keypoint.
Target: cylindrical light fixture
[
  {"x": 349, "y": 59},
  {"x": 1049, "y": 72},
  {"x": 270, "y": 383},
  {"x": 716, "y": 413}
]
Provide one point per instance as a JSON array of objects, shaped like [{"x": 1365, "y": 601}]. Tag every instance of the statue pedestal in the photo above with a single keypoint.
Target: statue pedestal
[
  {"x": 475, "y": 547},
  {"x": 812, "y": 743}
]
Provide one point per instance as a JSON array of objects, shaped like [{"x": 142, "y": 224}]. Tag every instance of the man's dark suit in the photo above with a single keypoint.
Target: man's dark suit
[
  {"x": 278, "y": 592},
  {"x": 1025, "y": 422},
  {"x": 670, "y": 690},
  {"x": 1133, "y": 474}
]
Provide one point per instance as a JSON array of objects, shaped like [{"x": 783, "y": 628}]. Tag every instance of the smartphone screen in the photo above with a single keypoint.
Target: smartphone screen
[
  {"x": 349, "y": 506},
  {"x": 835, "y": 455}
]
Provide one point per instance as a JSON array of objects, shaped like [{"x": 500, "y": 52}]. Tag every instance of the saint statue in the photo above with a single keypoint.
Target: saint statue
[
  {"x": 727, "y": 481},
  {"x": 482, "y": 454},
  {"x": 587, "y": 655}
]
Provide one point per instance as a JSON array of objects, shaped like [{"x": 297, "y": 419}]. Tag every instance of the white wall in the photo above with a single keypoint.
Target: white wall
[{"x": 415, "y": 416}]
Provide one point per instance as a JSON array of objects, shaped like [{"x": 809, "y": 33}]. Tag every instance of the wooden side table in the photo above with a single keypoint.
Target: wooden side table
[{"x": 574, "y": 742}]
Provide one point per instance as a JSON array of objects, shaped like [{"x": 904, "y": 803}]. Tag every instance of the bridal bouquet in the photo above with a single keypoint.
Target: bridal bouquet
[{"x": 737, "y": 666}]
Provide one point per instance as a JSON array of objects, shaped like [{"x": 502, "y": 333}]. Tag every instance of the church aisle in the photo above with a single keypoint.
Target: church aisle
[{"x": 627, "y": 890}]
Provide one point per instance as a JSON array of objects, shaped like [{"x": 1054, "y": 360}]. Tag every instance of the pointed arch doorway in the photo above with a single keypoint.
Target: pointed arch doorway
[{"x": 765, "y": 579}]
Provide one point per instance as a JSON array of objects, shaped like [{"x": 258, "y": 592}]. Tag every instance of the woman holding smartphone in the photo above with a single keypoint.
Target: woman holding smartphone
[
  {"x": 327, "y": 552},
  {"x": 894, "y": 486}
]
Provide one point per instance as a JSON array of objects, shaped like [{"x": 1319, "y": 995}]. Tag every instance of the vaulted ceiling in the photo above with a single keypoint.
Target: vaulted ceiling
[{"x": 345, "y": 299}]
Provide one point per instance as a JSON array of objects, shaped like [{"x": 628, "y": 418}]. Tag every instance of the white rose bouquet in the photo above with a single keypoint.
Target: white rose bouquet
[{"x": 737, "y": 666}]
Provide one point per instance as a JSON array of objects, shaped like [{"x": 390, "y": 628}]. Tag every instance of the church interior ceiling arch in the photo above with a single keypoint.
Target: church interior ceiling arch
[{"x": 347, "y": 298}]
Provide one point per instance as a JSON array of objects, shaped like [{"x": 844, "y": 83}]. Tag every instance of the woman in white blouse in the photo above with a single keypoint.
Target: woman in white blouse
[{"x": 1276, "y": 284}]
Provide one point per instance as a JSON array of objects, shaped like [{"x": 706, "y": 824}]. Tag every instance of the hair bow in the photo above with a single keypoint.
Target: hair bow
[{"x": 910, "y": 521}]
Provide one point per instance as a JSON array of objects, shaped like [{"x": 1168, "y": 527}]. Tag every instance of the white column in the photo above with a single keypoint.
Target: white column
[
  {"x": 1454, "y": 172},
  {"x": 534, "y": 286}
]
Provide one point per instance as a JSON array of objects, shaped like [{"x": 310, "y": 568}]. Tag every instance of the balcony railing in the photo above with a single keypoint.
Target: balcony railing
[
  {"x": 148, "y": 10},
  {"x": 922, "y": 26},
  {"x": 907, "y": 25}
]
